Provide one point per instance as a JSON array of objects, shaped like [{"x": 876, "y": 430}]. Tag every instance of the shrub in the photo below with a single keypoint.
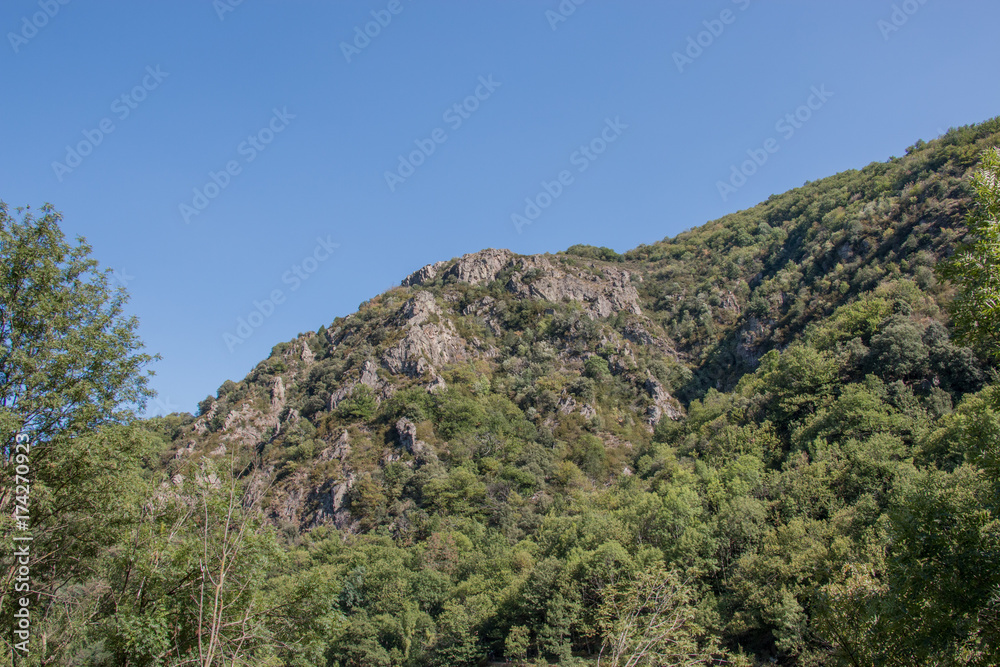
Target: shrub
[{"x": 360, "y": 406}]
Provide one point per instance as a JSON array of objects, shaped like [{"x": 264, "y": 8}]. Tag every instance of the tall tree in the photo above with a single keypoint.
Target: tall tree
[
  {"x": 72, "y": 375},
  {"x": 975, "y": 266},
  {"x": 652, "y": 621}
]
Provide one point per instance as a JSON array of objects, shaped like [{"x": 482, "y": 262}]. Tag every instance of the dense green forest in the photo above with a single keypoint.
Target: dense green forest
[{"x": 771, "y": 439}]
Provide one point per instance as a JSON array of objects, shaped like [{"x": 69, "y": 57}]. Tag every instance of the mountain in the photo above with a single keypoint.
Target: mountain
[{"x": 481, "y": 452}]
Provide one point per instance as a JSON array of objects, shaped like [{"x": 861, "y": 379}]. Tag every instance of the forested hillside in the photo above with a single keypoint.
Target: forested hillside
[{"x": 761, "y": 441}]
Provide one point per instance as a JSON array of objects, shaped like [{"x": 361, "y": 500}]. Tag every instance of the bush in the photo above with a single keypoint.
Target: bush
[
  {"x": 596, "y": 367},
  {"x": 360, "y": 406},
  {"x": 898, "y": 352}
]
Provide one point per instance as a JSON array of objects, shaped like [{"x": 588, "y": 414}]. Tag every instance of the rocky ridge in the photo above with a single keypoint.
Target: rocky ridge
[{"x": 424, "y": 330}]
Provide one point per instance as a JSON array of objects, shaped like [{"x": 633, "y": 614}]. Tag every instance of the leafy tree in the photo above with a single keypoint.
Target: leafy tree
[
  {"x": 516, "y": 644},
  {"x": 936, "y": 601},
  {"x": 975, "y": 266},
  {"x": 593, "y": 252},
  {"x": 898, "y": 351},
  {"x": 70, "y": 360},
  {"x": 360, "y": 405},
  {"x": 71, "y": 379},
  {"x": 651, "y": 620},
  {"x": 199, "y": 580},
  {"x": 797, "y": 381},
  {"x": 597, "y": 368}
]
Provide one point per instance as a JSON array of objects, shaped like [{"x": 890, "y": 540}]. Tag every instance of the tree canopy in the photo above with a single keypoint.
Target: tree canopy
[{"x": 975, "y": 266}]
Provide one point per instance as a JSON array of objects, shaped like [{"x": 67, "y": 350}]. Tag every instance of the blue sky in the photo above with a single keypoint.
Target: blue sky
[{"x": 220, "y": 154}]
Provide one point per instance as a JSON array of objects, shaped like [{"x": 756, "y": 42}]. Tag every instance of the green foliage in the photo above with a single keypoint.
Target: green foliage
[
  {"x": 945, "y": 541},
  {"x": 898, "y": 350},
  {"x": 516, "y": 644},
  {"x": 459, "y": 493},
  {"x": 457, "y": 414},
  {"x": 71, "y": 359},
  {"x": 71, "y": 376},
  {"x": 415, "y": 404},
  {"x": 975, "y": 266},
  {"x": 593, "y": 252},
  {"x": 596, "y": 368},
  {"x": 360, "y": 405},
  {"x": 652, "y": 620}
]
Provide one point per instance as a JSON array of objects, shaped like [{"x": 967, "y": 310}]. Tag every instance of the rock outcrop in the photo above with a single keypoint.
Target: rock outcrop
[
  {"x": 430, "y": 342},
  {"x": 407, "y": 431},
  {"x": 424, "y": 275},
  {"x": 339, "y": 450},
  {"x": 480, "y": 267},
  {"x": 605, "y": 291},
  {"x": 442, "y": 321},
  {"x": 604, "y": 295},
  {"x": 418, "y": 310},
  {"x": 368, "y": 378},
  {"x": 473, "y": 268},
  {"x": 664, "y": 405}
]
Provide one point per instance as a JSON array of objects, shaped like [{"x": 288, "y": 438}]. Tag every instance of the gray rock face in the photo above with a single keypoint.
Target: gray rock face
[
  {"x": 485, "y": 309},
  {"x": 752, "y": 335},
  {"x": 424, "y": 275},
  {"x": 637, "y": 333},
  {"x": 480, "y": 267},
  {"x": 568, "y": 404},
  {"x": 603, "y": 295},
  {"x": 407, "y": 431},
  {"x": 428, "y": 342},
  {"x": 340, "y": 449},
  {"x": 201, "y": 426},
  {"x": 337, "y": 396},
  {"x": 277, "y": 394},
  {"x": 423, "y": 348},
  {"x": 185, "y": 450},
  {"x": 369, "y": 377},
  {"x": 664, "y": 405},
  {"x": 417, "y": 310},
  {"x": 340, "y": 490},
  {"x": 473, "y": 268},
  {"x": 332, "y": 502},
  {"x": 246, "y": 426},
  {"x": 307, "y": 354},
  {"x": 436, "y": 385}
]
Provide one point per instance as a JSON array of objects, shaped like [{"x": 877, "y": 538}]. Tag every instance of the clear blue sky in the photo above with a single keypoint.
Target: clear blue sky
[{"x": 270, "y": 81}]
